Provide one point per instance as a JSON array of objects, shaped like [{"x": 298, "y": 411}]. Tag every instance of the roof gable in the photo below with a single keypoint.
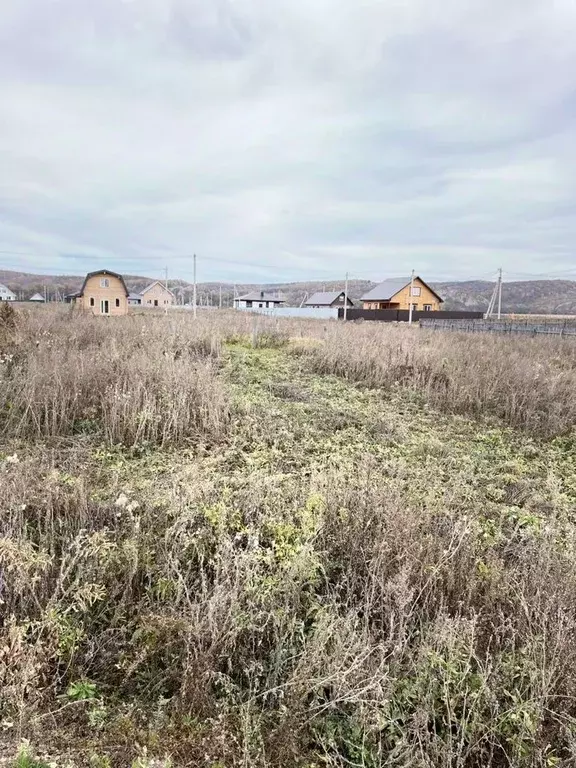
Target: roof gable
[
  {"x": 424, "y": 283},
  {"x": 104, "y": 273},
  {"x": 155, "y": 283}
]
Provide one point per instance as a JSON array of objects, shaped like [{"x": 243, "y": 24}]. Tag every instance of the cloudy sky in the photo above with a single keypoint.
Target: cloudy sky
[{"x": 289, "y": 140}]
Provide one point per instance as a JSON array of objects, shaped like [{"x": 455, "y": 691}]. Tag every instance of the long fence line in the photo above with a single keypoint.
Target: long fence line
[
  {"x": 403, "y": 315},
  {"x": 562, "y": 329}
]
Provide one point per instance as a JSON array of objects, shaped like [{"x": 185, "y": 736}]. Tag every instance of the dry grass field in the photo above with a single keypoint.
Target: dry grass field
[{"x": 284, "y": 544}]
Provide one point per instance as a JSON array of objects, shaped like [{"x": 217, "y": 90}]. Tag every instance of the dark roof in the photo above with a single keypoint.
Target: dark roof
[
  {"x": 94, "y": 274},
  {"x": 324, "y": 298},
  {"x": 261, "y": 296},
  {"x": 389, "y": 288}
]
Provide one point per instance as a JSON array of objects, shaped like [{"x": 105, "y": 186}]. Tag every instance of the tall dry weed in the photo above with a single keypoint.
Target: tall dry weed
[
  {"x": 131, "y": 380},
  {"x": 527, "y": 383}
]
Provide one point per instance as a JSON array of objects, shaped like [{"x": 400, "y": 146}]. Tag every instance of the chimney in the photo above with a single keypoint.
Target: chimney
[{"x": 261, "y": 294}]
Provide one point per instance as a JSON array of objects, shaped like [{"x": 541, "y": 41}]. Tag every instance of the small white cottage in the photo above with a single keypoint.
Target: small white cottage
[
  {"x": 258, "y": 300},
  {"x": 6, "y": 294}
]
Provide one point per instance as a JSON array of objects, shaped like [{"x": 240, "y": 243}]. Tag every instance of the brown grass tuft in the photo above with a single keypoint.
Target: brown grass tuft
[
  {"x": 527, "y": 383},
  {"x": 137, "y": 380}
]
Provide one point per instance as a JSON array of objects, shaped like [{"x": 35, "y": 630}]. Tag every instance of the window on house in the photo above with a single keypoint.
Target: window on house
[
  {"x": 104, "y": 283},
  {"x": 248, "y": 304},
  {"x": 427, "y": 307},
  {"x": 416, "y": 291},
  {"x": 117, "y": 303},
  {"x": 415, "y": 307},
  {"x": 92, "y": 303}
]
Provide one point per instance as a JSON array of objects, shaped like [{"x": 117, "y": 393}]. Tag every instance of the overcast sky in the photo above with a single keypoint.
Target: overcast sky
[{"x": 288, "y": 139}]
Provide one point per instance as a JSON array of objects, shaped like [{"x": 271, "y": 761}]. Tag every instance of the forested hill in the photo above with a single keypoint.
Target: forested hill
[{"x": 530, "y": 297}]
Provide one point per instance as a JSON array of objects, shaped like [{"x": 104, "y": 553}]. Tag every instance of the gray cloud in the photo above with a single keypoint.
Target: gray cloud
[{"x": 285, "y": 141}]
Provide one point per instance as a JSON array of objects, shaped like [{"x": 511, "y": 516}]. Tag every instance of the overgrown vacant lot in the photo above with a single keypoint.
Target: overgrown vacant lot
[{"x": 297, "y": 544}]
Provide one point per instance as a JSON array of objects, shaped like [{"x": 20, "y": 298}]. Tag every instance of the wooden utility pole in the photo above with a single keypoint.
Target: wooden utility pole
[
  {"x": 500, "y": 293},
  {"x": 346, "y": 298},
  {"x": 411, "y": 294},
  {"x": 166, "y": 283},
  {"x": 195, "y": 294}
]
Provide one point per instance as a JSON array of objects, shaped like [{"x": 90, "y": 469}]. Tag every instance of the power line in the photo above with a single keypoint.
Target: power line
[{"x": 195, "y": 300}]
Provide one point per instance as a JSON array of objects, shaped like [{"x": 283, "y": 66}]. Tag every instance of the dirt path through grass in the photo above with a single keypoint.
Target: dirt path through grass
[
  {"x": 291, "y": 422},
  {"x": 290, "y": 419}
]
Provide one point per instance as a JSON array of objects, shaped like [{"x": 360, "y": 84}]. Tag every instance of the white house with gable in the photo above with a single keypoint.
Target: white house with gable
[
  {"x": 6, "y": 294},
  {"x": 258, "y": 300}
]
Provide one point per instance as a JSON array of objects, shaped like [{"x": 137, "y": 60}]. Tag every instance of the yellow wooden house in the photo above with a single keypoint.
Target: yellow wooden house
[
  {"x": 395, "y": 294},
  {"x": 103, "y": 293}
]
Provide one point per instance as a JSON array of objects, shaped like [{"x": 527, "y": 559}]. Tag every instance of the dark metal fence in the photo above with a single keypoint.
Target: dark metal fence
[
  {"x": 403, "y": 315},
  {"x": 563, "y": 328}
]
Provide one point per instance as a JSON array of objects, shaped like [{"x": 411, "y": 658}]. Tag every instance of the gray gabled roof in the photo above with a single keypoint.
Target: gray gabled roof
[
  {"x": 323, "y": 298},
  {"x": 261, "y": 296},
  {"x": 389, "y": 288},
  {"x": 37, "y": 297},
  {"x": 385, "y": 290}
]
